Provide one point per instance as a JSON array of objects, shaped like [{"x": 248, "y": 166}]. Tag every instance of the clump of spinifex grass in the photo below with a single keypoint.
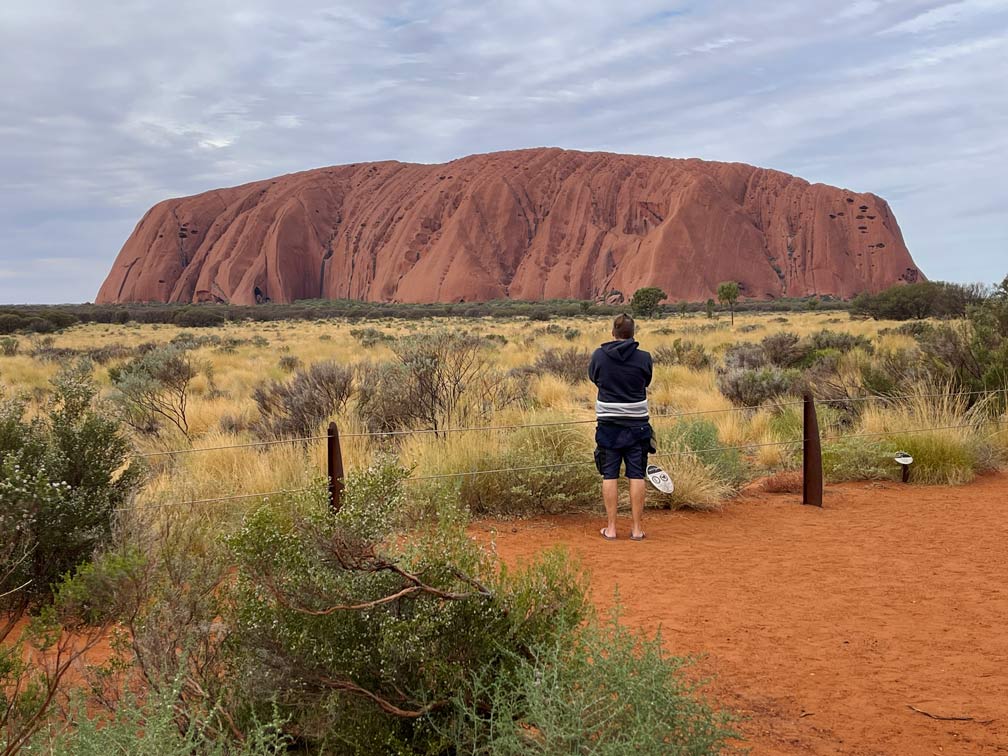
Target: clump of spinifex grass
[
  {"x": 526, "y": 471},
  {"x": 948, "y": 437}
]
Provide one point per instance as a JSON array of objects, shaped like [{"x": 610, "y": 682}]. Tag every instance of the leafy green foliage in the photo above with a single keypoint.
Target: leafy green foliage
[
  {"x": 62, "y": 477},
  {"x": 728, "y": 293},
  {"x": 647, "y": 300},
  {"x": 927, "y": 299},
  {"x": 858, "y": 459},
  {"x": 149, "y": 728},
  {"x": 751, "y": 387},
  {"x": 9, "y": 346},
  {"x": 198, "y": 317},
  {"x": 602, "y": 691},
  {"x": 338, "y": 620},
  {"x": 543, "y": 471},
  {"x": 690, "y": 354}
]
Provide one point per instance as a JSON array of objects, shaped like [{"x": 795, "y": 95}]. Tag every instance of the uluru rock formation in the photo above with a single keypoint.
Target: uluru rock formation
[{"x": 528, "y": 224}]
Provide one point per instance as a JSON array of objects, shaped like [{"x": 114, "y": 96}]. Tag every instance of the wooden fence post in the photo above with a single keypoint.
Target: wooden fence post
[
  {"x": 812, "y": 475},
  {"x": 335, "y": 468}
]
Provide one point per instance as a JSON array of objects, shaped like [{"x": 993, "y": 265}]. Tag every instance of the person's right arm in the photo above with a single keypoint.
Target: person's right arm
[{"x": 593, "y": 368}]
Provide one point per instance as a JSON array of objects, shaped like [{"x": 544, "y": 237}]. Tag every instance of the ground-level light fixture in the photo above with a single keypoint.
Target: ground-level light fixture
[{"x": 904, "y": 460}]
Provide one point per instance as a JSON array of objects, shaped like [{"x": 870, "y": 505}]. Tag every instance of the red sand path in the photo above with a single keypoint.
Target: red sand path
[{"x": 823, "y": 626}]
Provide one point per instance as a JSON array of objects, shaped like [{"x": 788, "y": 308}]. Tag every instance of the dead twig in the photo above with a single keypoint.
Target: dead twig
[{"x": 949, "y": 719}]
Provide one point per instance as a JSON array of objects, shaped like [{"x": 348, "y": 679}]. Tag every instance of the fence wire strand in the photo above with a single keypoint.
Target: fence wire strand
[
  {"x": 557, "y": 423},
  {"x": 190, "y": 502}
]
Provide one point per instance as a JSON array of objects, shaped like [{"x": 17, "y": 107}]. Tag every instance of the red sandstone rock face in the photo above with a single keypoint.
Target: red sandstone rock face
[{"x": 530, "y": 224}]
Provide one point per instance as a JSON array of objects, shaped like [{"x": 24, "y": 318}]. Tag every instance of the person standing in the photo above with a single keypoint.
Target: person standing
[{"x": 623, "y": 435}]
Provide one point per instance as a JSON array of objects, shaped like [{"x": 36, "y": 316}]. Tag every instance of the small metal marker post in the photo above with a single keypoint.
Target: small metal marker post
[
  {"x": 335, "y": 468},
  {"x": 812, "y": 476},
  {"x": 904, "y": 460}
]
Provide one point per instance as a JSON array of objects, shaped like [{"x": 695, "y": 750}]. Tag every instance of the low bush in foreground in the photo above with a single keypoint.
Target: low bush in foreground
[
  {"x": 704, "y": 474},
  {"x": 551, "y": 473},
  {"x": 381, "y": 629},
  {"x": 602, "y": 690},
  {"x": 62, "y": 477}
]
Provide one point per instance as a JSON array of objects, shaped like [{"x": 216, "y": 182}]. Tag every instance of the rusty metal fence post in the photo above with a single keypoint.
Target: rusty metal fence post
[
  {"x": 335, "y": 468},
  {"x": 812, "y": 475}
]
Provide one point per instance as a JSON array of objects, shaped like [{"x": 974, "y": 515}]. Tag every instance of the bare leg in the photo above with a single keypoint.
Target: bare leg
[
  {"x": 610, "y": 496},
  {"x": 637, "y": 506}
]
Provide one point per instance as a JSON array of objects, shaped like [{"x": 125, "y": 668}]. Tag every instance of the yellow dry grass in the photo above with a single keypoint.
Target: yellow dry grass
[{"x": 221, "y": 396}]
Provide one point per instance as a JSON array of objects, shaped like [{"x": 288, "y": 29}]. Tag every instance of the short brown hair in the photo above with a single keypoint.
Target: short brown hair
[{"x": 623, "y": 327}]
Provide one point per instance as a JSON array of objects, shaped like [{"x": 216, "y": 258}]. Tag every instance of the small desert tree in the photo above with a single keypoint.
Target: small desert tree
[
  {"x": 728, "y": 293},
  {"x": 645, "y": 301},
  {"x": 154, "y": 387},
  {"x": 709, "y": 309}
]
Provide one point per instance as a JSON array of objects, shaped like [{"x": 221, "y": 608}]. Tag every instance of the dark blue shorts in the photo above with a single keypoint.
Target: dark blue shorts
[{"x": 618, "y": 446}]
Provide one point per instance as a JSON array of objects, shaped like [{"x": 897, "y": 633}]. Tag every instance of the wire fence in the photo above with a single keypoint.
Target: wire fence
[
  {"x": 697, "y": 453},
  {"x": 558, "y": 423},
  {"x": 890, "y": 400}
]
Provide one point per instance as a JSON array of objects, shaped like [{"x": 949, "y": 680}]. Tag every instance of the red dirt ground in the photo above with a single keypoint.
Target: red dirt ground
[{"x": 822, "y": 626}]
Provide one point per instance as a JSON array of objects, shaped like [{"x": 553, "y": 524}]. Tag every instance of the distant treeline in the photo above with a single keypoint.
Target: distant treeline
[
  {"x": 929, "y": 299},
  {"x": 48, "y": 318},
  {"x": 903, "y": 302}
]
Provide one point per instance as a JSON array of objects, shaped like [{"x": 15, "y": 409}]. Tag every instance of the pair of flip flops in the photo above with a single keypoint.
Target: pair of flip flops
[{"x": 602, "y": 533}]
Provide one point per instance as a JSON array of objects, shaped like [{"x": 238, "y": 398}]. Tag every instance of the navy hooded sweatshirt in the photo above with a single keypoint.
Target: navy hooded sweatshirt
[{"x": 622, "y": 373}]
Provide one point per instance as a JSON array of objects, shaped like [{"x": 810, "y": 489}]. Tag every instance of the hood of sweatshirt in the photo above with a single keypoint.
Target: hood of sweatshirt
[{"x": 621, "y": 351}]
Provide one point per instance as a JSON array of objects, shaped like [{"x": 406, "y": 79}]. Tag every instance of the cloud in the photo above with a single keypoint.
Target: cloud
[{"x": 132, "y": 105}]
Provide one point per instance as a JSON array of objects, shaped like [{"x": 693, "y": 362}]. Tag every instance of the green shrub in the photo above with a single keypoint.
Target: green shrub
[
  {"x": 646, "y": 301},
  {"x": 571, "y": 364},
  {"x": 942, "y": 457},
  {"x": 62, "y": 478},
  {"x": 198, "y": 317},
  {"x": 841, "y": 341},
  {"x": 369, "y": 336},
  {"x": 298, "y": 408},
  {"x": 440, "y": 380},
  {"x": 150, "y": 728},
  {"x": 384, "y": 402},
  {"x": 858, "y": 459},
  {"x": 744, "y": 356},
  {"x": 690, "y": 354},
  {"x": 753, "y": 387},
  {"x": 782, "y": 349},
  {"x": 604, "y": 691},
  {"x": 153, "y": 388},
  {"x": 363, "y": 644},
  {"x": 562, "y": 477},
  {"x": 9, "y": 346}
]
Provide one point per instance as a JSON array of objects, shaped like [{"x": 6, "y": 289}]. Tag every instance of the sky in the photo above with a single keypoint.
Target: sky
[{"x": 108, "y": 106}]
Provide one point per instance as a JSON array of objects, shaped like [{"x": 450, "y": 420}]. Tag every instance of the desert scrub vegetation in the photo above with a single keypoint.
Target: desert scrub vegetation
[
  {"x": 251, "y": 381},
  {"x": 64, "y": 474},
  {"x": 298, "y": 407},
  {"x": 267, "y": 619},
  {"x": 381, "y": 629}
]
